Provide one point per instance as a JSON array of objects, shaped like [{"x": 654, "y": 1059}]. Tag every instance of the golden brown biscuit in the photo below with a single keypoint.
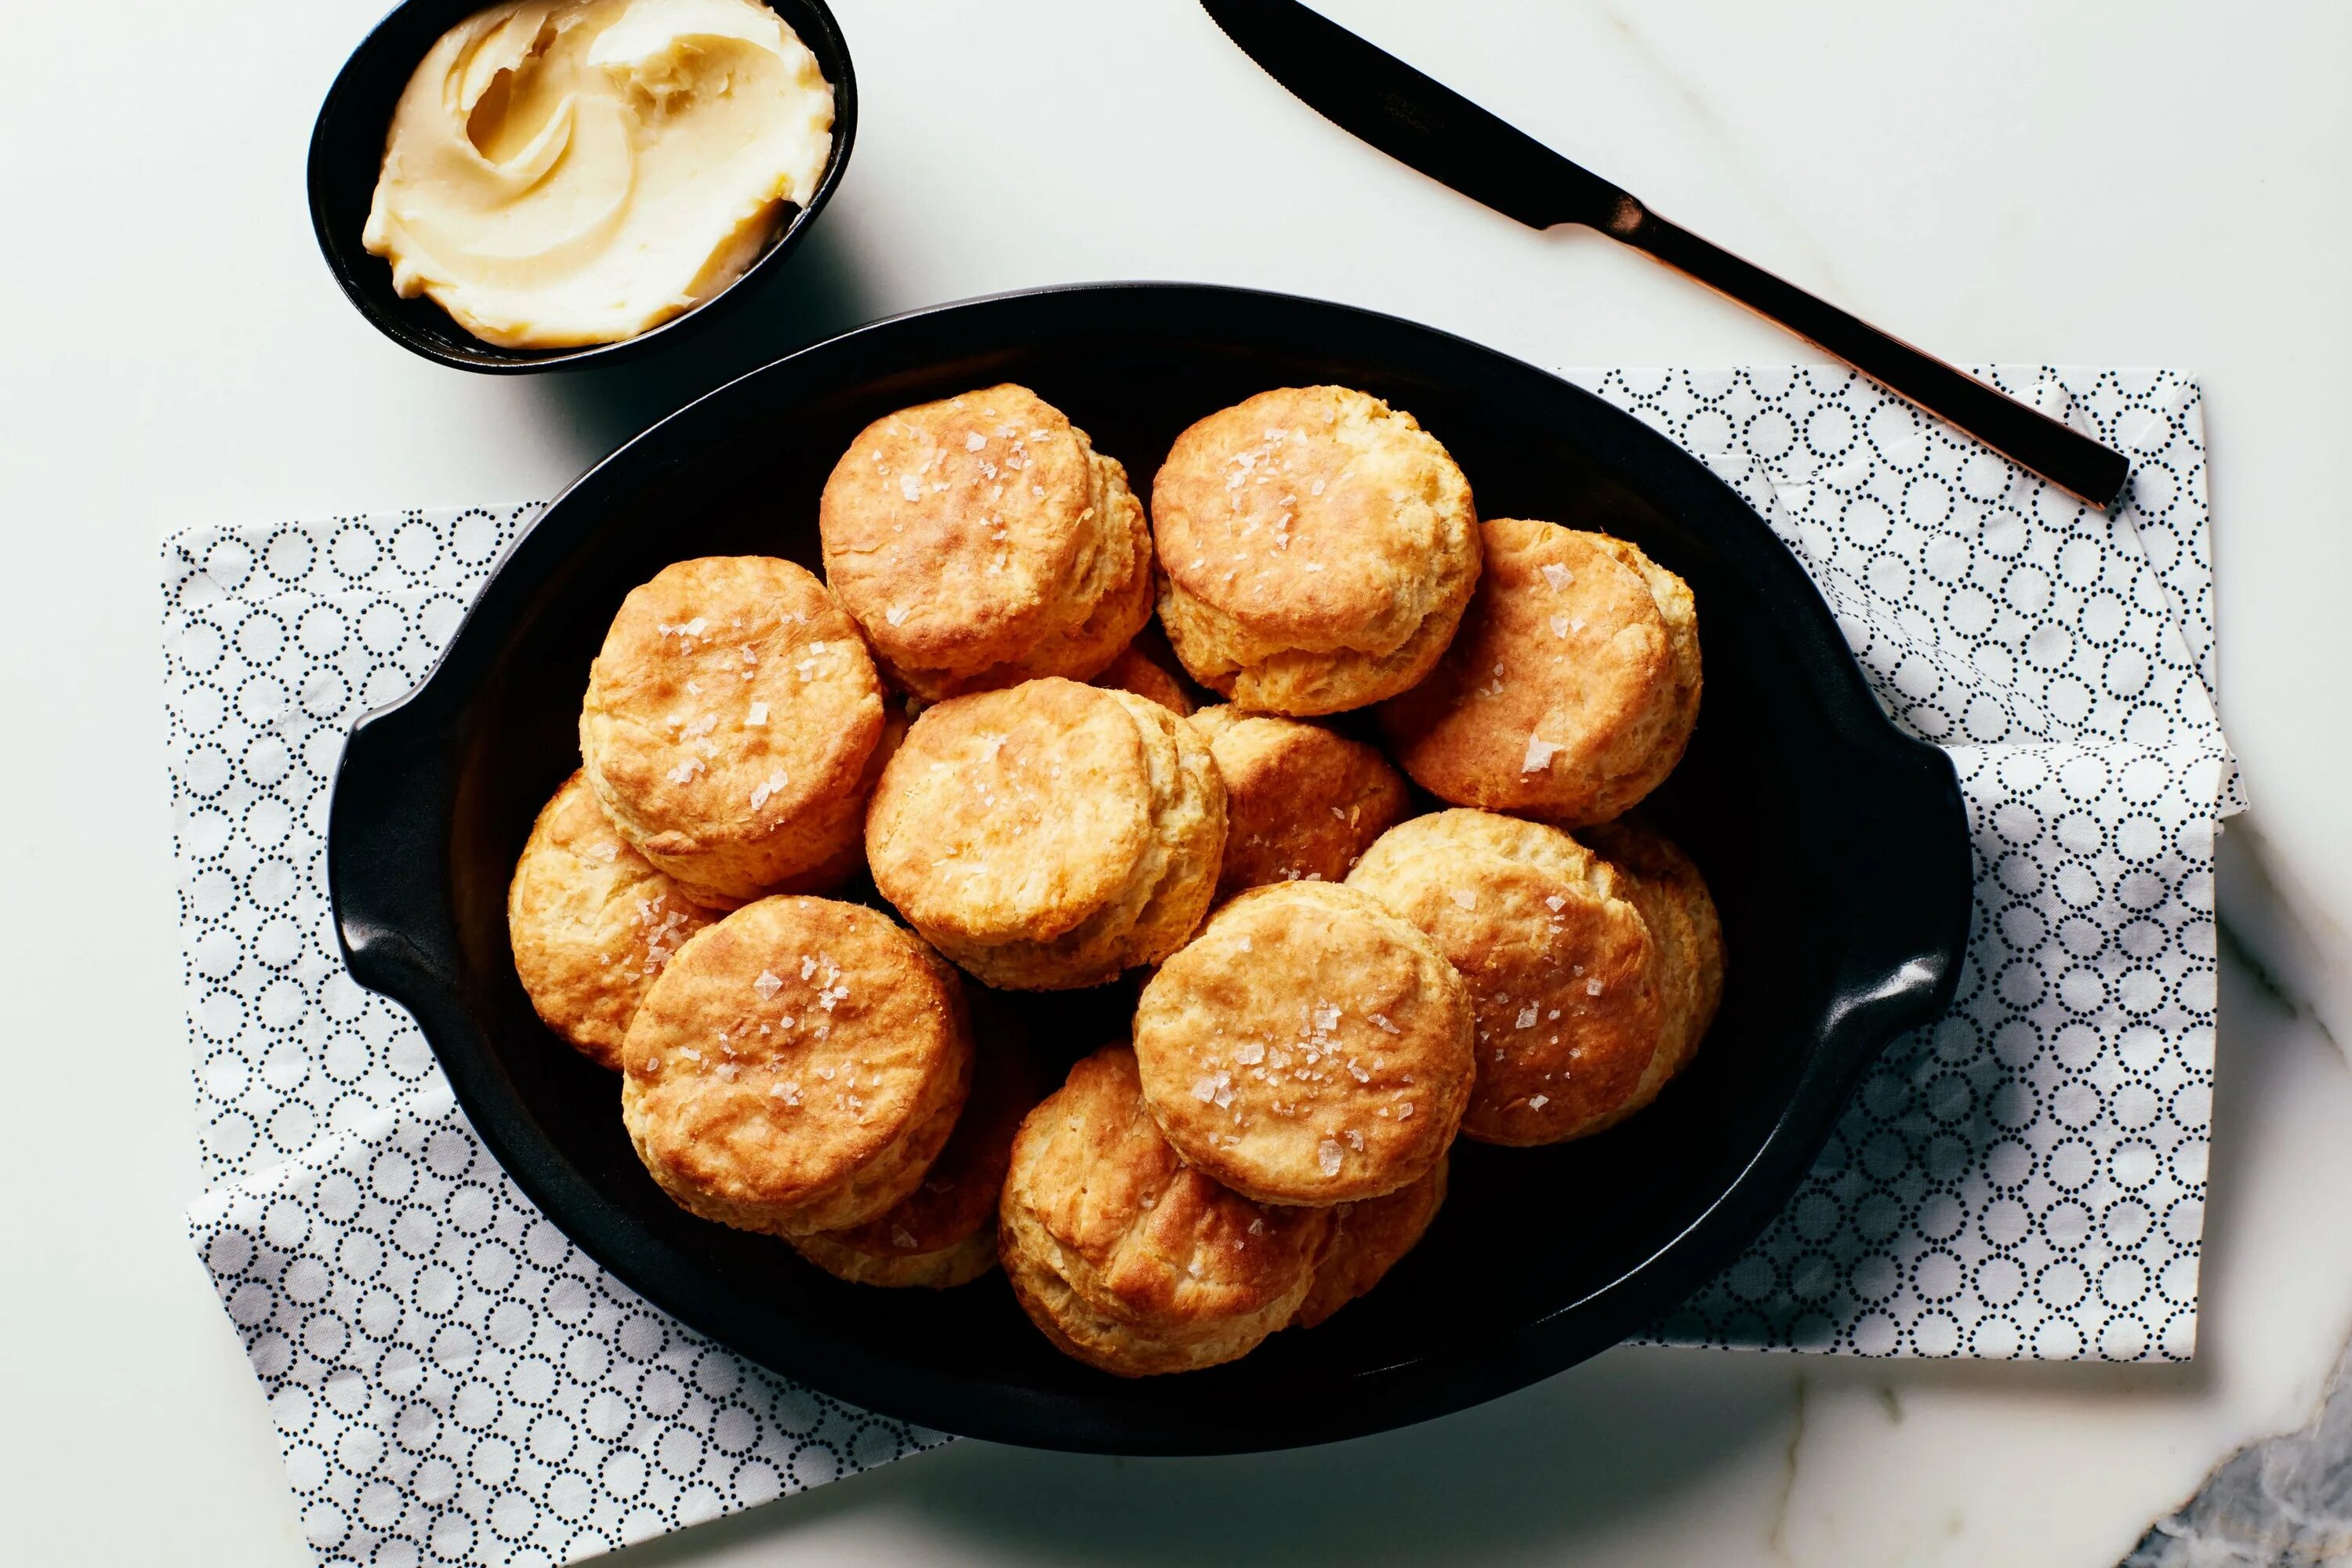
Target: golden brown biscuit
[
  {"x": 943, "y": 1234},
  {"x": 730, "y": 727},
  {"x": 797, "y": 1068},
  {"x": 1686, "y": 935},
  {"x": 1308, "y": 1047},
  {"x": 1557, "y": 958},
  {"x": 1127, "y": 1258},
  {"x": 1367, "y": 1240},
  {"x": 1301, "y": 803},
  {"x": 1049, "y": 836},
  {"x": 590, "y": 922},
  {"x": 1138, "y": 671},
  {"x": 1572, "y": 687},
  {"x": 1317, "y": 548},
  {"x": 981, "y": 542}
]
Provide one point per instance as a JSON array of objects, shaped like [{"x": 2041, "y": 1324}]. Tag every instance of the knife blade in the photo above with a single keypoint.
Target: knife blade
[{"x": 1423, "y": 123}]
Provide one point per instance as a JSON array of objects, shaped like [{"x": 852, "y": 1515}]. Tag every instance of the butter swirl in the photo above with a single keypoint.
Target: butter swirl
[{"x": 560, "y": 173}]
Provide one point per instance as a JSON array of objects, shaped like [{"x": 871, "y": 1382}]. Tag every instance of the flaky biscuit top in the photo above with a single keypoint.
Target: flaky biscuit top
[
  {"x": 1568, "y": 688},
  {"x": 1313, "y": 518},
  {"x": 1559, "y": 963},
  {"x": 1014, "y": 815},
  {"x": 786, "y": 1046},
  {"x": 1308, "y": 1046},
  {"x": 952, "y": 520},
  {"x": 981, "y": 538},
  {"x": 731, "y": 696}
]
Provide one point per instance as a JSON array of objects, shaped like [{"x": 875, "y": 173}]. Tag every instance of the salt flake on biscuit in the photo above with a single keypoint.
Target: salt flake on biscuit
[
  {"x": 590, "y": 922},
  {"x": 1317, "y": 1075},
  {"x": 961, "y": 586},
  {"x": 1603, "y": 647}
]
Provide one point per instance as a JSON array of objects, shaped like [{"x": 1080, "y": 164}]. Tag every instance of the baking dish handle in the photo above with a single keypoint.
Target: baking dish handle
[
  {"x": 387, "y": 851},
  {"x": 1902, "y": 969}
]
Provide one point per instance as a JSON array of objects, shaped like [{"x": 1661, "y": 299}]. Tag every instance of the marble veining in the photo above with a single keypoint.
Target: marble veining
[
  {"x": 1728, "y": 147},
  {"x": 1792, "y": 1459},
  {"x": 2281, "y": 1502}
]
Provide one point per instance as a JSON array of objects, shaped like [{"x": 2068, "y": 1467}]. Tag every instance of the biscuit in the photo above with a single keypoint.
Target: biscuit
[
  {"x": 1140, "y": 672},
  {"x": 590, "y": 922},
  {"x": 1571, "y": 689},
  {"x": 943, "y": 1234},
  {"x": 796, "y": 1067},
  {"x": 1301, "y": 803},
  {"x": 1309, "y": 1046},
  {"x": 1367, "y": 1240},
  {"x": 1049, "y": 836},
  {"x": 1559, "y": 960},
  {"x": 1686, "y": 934},
  {"x": 731, "y": 728},
  {"x": 1129, "y": 1259},
  {"x": 981, "y": 542},
  {"x": 1317, "y": 549}
]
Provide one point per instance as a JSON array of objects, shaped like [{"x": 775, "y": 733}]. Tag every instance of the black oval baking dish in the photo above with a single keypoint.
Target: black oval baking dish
[
  {"x": 1836, "y": 847},
  {"x": 347, "y": 153}
]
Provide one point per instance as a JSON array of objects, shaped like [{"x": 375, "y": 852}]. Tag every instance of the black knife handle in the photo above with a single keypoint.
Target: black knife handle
[{"x": 2066, "y": 458}]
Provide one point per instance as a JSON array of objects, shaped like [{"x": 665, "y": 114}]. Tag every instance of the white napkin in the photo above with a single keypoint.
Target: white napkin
[
  {"x": 451, "y": 1378},
  {"x": 2027, "y": 1177}
]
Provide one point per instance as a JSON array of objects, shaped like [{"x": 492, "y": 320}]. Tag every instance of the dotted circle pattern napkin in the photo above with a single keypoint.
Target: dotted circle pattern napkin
[
  {"x": 453, "y": 1381},
  {"x": 2027, "y": 1177}
]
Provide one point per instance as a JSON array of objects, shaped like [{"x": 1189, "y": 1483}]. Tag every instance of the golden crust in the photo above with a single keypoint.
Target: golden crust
[
  {"x": 1687, "y": 937},
  {"x": 1301, "y": 803},
  {"x": 1012, "y": 813},
  {"x": 1571, "y": 689},
  {"x": 1558, "y": 960},
  {"x": 981, "y": 542},
  {"x": 797, "y": 1068},
  {"x": 1317, "y": 549},
  {"x": 943, "y": 1234},
  {"x": 1127, "y": 1258},
  {"x": 591, "y": 922},
  {"x": 1367, "y": 1240},
  {"x": 1308, "y": 1047},
  {"x": 730, "y": 720},
  {"x": 1138, "y": 671},
  {"x": 1050, "y": 835}
]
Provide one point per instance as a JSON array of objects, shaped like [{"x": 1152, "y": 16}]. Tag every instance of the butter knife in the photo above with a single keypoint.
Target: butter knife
[{"x": 1435, "y": 130}]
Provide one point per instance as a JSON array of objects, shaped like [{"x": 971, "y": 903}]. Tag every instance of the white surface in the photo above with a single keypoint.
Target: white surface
[{"x": 2087, "y": 183}]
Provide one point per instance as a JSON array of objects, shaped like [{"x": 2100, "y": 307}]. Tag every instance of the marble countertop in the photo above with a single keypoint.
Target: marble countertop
[{"x": 2009, "y": 180}]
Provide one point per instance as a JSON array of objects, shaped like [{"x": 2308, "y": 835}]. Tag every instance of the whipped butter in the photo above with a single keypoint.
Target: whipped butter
[{"x": 569, "y": 171}]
